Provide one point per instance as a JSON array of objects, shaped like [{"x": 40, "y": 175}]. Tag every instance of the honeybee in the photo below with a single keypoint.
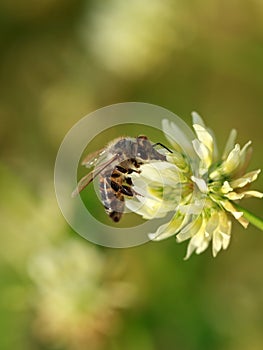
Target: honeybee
[{"x": 124, "y": 156}]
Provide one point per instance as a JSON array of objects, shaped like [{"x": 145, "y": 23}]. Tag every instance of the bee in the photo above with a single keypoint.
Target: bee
[{"x": 124, "y": 156}]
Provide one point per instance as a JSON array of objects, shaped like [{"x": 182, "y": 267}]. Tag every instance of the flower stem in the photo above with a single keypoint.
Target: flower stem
[{"x": 253, "y": 219}]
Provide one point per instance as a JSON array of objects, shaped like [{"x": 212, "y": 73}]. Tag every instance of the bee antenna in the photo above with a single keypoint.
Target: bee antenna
[{"x": 160, "y": 144}]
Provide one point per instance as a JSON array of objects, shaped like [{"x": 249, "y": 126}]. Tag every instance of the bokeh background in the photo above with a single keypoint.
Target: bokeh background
[{"x": 61, "y": 60}]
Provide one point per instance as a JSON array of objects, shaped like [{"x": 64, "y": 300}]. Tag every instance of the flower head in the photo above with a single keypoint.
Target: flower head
[{"x": 200, "y": 188}]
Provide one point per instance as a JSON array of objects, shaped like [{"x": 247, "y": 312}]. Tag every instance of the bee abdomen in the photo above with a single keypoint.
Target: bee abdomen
[
  {"x": 113, "y": 201},
  {"x": 121, "y": 169},
  {"x": 115, "y": 208},
  {"x": 115, "y": 186},
  {"x": 115, "y": 216}
]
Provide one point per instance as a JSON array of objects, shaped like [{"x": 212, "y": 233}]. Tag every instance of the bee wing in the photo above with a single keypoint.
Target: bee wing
[
  {"x": 91, "y": 158},
  {"x": 91, "y": 175},
  {"x": 83, "y": 183}
]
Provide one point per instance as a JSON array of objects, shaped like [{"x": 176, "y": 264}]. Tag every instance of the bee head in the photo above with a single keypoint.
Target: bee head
[{"x": 142, "y": 137}]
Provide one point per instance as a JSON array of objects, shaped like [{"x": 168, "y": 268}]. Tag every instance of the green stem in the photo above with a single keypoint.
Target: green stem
[{"x": 253, "y": 219}]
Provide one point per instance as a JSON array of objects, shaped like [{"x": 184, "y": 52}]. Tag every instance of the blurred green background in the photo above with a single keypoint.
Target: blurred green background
[{"x": 61, "y": 60}]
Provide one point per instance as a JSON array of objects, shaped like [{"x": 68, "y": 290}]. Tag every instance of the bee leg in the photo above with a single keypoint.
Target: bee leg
[
  {"x": 126, "y": 190},
  {"x": 130, "y": 171},
  {"x": 136, "y": 163},
  {"x": 137, "y": 194},
  {"x": 129, "y": 181}
]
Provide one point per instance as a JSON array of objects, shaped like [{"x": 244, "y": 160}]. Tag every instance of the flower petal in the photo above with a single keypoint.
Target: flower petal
[
  {"x": 202, "y": 246},
  {"x": 230, "y": 143},
  {"x": 169, "y": 229},
  {"x": 203, "y": 153},
  {"x": 244, "y": 150},
  {"x": 217, "y": 243},
  {"x": 243, "y": 221},
  {"x": 163, "y": 173},
  {"x": 226, "y": 187},
  {"x": 197, "y": 119},
  {"x": 230, "y": 208},
  {"x": 245, "y": 156},
  {"x": 238, "y": 215},
  {"x": 252, "y": 193},
  {"x": 199, "y": 242},
  {"x": 245, "y": 179},
  {"x": 204, "y": 137},
  {"x": 190, "y": 229},
  {"x": 179, "y": 160},
  {"x": 233, "y": 196},
  {"x": 232, "y": 161},
  {"x": 177, "y": 138},
  {"x": 202, "y": 185},
  {"x": 192, "y": 208},
  {"x": 148, "y": 208},
  {"x": 221, "y": 236},
  {"x": 212, "y": 223}
]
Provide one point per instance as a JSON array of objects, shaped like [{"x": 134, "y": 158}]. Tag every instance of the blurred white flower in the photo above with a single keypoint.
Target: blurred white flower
[
  {"x": 79, "y": 295},
  {"x": 132, "y": 37},
  {"x": 201, "y": 189}
]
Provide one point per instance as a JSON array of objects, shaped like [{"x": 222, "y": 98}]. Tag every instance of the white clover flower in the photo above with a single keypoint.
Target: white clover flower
[{"x": 199, "y": 187}]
